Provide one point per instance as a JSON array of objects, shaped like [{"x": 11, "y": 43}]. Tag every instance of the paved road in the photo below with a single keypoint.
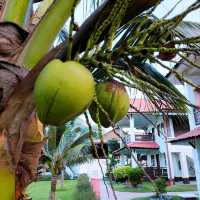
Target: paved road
[{"x": 132, "y": 195}]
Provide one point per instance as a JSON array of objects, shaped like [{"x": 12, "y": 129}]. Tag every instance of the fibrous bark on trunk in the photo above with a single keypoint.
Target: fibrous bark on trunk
[
  {"x": 52, "y": 195},
  {"x": 62, "y": 178}
]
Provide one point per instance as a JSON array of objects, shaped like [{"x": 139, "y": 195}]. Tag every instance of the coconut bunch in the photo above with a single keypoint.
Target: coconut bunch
[{"x": 64, "y": 90}]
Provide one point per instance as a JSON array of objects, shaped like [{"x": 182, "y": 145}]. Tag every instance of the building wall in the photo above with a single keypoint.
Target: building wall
[
  {"x": 177, "y": 165},
  {"x": 163, "y": 162},
  {"x": 174, "y": 150},
  {"x": 92, "y": 169}
]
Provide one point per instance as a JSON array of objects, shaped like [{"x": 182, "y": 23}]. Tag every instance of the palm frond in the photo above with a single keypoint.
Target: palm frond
[
  {"x": 150, "y": 34},
  {"x": 187, "y": 29},
  {"x": 77, "y": 155},
  {"x": 50, "y": 146},
  {"x": 68, "y": 141}
]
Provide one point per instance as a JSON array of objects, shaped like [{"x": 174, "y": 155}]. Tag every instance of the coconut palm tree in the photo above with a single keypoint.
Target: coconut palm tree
[
  {"x": 69, "y": 149},
  {"x": 26, "y": 47}
]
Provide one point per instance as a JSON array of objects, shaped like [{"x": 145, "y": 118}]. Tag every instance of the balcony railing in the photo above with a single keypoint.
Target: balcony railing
[
  {"x": 144, "y": 138},
  {"x": 155, "y": 172},
  {"x": 197, "y": 117}
]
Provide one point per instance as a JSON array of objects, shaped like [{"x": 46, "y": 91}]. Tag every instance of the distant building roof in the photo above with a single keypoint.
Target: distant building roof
[
  {"x": 110, "y": 135},
  {"x": 146, "y": 106},
  {"x": 193, "y": 134},
  {"x": 139, "y": 145},
  {"x": 144, "y": 145}
]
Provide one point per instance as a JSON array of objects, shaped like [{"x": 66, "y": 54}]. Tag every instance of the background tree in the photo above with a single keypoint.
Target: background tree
[{"x": 65, "y": 150}]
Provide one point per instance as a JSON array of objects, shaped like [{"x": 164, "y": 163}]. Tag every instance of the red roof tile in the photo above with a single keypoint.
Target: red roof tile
[
  {"x": 144, "y": 145},
  {"x": 193, "y": 134},
  {"x": 146, "y": 106}
]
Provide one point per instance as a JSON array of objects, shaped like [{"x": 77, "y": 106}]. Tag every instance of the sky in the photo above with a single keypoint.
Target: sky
[
  {"x": 164, "y": 8},
  {"x": 166, "y": 5},
  {"x": 160, "y": 11}
]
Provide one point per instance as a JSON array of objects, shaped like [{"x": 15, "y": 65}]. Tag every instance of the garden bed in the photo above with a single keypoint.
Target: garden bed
[{"x": 147, "y": 187}]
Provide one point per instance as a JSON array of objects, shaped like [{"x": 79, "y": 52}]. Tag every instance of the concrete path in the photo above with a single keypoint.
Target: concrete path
[{"x": 132, "y": 195}]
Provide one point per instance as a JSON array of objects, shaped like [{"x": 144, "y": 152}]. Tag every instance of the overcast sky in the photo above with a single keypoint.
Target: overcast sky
[
  {"x": 161, "y": 10},
  {"x": 166, "y": 5}
]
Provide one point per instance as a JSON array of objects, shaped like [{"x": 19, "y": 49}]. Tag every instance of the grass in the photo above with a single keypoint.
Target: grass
[
  {"x": 40, "y": 190},
  {"x": 147, "y": 198},
  {"x": 147, "y": 187}
]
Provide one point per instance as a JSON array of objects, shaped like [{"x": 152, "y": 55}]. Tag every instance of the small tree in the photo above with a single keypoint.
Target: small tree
[
  {"x": 161, "y": 186},
  {"x": 67, "y": 149},
  {"x": 136, "y": 176},
  {"x": 84, "y": 190},
  {"x": 121, "y": 173}
]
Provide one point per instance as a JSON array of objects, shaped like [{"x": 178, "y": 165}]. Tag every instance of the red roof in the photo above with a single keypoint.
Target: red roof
[
  {"x": 144, "y": 145},
  {"x": 146, "y": 106},
  {"x": 193, "y": 134}
]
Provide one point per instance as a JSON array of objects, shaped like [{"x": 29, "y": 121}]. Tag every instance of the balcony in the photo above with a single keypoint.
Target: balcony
[
  {"x": 155, "y": 172},
  {"x": 197, "y": 116},
  {"x": 144, "y": 138}
]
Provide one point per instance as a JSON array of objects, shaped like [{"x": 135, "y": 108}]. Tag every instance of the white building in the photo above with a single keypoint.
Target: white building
[
  {"x": 150, "y": 146},
  {"x": 192, "y": 137}
]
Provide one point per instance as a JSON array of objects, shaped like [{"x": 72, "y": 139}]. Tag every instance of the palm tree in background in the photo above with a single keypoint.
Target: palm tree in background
[{"x": 65, "y": 149}]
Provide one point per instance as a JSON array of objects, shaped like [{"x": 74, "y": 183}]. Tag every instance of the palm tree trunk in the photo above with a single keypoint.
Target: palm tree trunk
[
  {"x": 62, "y": 179},
  {"x": 52, "y": 195}
]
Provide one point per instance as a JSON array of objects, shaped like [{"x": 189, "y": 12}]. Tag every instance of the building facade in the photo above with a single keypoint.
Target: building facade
[{"x": 148, "y": 136}]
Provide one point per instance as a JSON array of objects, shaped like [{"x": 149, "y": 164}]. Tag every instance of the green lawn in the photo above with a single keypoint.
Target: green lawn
[
  {"x": 40, "y": 190},
  {"x": 147, "y": 187},
  {"x": 147, "y": 198}
]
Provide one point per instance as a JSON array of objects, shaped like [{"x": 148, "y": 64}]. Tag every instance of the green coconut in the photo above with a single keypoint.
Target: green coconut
[
  {"x": 62, "y": 91},
  {"x": 112, "y": 96}
]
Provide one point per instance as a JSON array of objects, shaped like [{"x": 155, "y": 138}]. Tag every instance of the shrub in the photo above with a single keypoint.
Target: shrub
[
  {"x": 127, "y": 173},
  {"x": 83, "y": 189},
  {"x": 136, "y": 176},
  {"x": 121, "y": 174},
  {"x": 161, "y": 186},
  {"x": 176, "y": 198}
]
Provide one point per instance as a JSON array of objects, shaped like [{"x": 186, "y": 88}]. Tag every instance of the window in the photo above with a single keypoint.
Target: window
[
  {"x": 165, "y": 160},
  {"x": 158, "y": 129},
  {"x": 142, "y": 159},
  {"x": 161, "y": 128},
  {"x": 153, "y": 161},
  {"x": 179, "y": 165},
  {"x": 127, "y": 139},
  {"x": 153, "y": 133},
  {"x": 138, "y": 157}
]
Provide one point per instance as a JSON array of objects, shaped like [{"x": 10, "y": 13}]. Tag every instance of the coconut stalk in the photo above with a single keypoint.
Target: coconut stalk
[
  {"x": 16, "y": 11},
  {"x": 7, "y": 175},
  {"x": 32, "y": 52}
]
